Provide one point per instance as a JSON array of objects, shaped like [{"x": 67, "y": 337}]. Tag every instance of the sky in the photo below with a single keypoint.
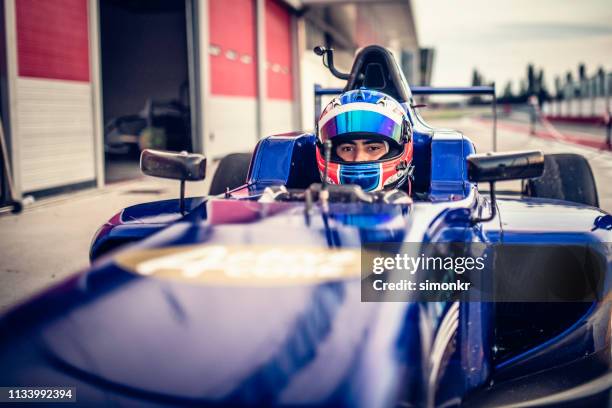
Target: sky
[{"x": 500, "y": 37}]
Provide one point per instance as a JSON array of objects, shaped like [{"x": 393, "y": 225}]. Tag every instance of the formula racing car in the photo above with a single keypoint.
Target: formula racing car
[{"x": 257, "y": 295}]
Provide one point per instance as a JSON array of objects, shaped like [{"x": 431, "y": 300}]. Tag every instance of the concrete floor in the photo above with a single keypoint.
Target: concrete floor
[
  {"x": 121, "y": 168},
  {"x": 50, "y": 239}
]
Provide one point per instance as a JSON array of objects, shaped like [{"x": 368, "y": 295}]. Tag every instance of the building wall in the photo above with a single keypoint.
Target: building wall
[
  {"x": 232, "y": 104},
  {"x": 278, "y": 109},
  {"x": 313, "y": 72},
  {"x": 52, "y": 97}
]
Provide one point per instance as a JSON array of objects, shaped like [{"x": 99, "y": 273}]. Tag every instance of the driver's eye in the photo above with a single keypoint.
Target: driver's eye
[
  {"x": 374, "y": 148},
  {"x": 346, "y": 148}
]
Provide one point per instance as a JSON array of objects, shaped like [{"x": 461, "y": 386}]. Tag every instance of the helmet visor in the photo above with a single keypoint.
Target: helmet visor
[{"x": 361, "y": 122}]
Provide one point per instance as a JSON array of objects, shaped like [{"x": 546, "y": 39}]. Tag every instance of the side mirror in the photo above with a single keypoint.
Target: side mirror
[
  {"x": 492, "y": 167},
  {"x": 172, "y": 165},
  {"x": 505, "y": 166},
  {"x": 181, "y": 166}
]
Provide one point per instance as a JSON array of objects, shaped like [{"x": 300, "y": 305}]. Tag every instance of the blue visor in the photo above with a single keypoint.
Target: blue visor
[{"x": 361, "y": 121}]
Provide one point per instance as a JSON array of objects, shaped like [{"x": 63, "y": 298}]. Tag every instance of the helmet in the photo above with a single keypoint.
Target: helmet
[{"x": 372, "y": 116}]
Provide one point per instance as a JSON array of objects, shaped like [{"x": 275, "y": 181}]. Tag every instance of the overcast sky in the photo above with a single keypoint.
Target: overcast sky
[{"x": 501, "y": 37}]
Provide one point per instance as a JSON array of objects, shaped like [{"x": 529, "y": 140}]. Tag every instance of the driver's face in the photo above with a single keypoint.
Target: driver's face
[{"x": 361, "y": 150}]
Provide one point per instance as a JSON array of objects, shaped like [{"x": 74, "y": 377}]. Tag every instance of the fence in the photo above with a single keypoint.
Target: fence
[{"x": 589, "y": 98}]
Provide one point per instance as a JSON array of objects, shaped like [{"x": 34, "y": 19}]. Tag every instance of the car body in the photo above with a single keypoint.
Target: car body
[{"x": 145, "y": 327}]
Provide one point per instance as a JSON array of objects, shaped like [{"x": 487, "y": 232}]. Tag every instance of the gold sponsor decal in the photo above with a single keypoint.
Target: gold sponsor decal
[{"x": 244, "y": 265}]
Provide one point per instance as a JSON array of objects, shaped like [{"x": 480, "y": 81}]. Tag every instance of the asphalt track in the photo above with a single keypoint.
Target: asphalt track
[{"x": 589, "y": 135}]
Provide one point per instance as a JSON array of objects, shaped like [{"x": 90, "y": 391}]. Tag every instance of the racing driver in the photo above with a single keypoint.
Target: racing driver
[{"x": 371, "y": 142}]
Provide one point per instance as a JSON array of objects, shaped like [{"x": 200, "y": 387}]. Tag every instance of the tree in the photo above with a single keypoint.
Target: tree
[
  {"x": 508, "y": 90},
  {"x": 476, "y": 81},
  {"x": 581, "y": 78},
  {"x": 523, "y": 89},
  {"x": 476, "y": 78},
  {"x": 601, "y": 81},
  {"x": 569, "y": 83},
  {"x": 558, "y": 88},
  {"x": 581, "y": 71},
  {"x": 507, "y": 95},
  {"x": 531, "y": 80},
  {"x": 541, "y": 89}
]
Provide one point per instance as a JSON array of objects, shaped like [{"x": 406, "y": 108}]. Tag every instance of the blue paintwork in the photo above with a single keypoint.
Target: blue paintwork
[
  {"x": 128, "y": 339},
  {"x": 287, "y": 159},
  {"x": 448, "y": 167},
  {"x": 137, "y": 222},
  {"x": 421, "y": 160}
]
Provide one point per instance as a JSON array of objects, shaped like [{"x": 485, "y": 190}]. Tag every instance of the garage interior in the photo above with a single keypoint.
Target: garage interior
[{"x": 145, "y": 81}]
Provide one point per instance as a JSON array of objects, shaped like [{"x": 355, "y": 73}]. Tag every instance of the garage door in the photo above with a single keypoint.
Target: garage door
[
  {"x": 233, "y": 77},
  {"x": 279, "y": 106},
  {"x": 54, "y": 102}
]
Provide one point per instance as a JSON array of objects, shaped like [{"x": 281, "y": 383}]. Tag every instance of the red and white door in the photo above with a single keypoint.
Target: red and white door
[
  {"x": 232, "y": 103},
  {"x": 235, "y": 110},
  {"x": 52, "y": 107}
]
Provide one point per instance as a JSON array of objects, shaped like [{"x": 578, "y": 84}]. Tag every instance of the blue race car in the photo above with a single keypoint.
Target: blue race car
[{"x": 261, "y": 293}]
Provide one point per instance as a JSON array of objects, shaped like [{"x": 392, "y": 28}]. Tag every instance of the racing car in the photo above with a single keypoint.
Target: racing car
[{"x": 254, "y": 295}]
